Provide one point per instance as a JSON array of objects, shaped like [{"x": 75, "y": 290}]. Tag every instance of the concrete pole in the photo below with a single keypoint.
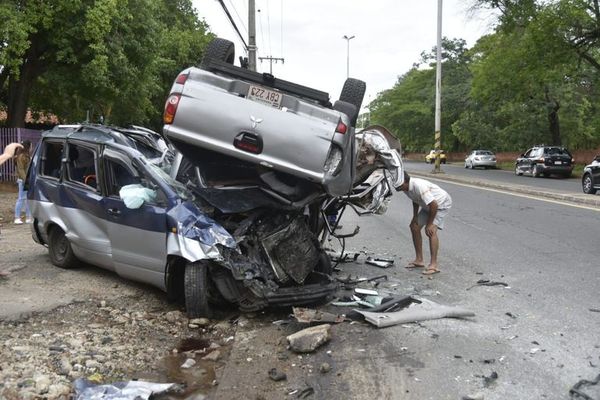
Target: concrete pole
[
  {"x": 251, "y": 35},
  {"x": 348, "y": 54},
  {"x": 438, "y": 92}
]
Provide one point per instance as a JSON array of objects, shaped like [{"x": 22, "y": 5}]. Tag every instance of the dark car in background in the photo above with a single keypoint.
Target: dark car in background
[
  {"x": 590, "y": 180},
  {"x": 546, "y": 161}
]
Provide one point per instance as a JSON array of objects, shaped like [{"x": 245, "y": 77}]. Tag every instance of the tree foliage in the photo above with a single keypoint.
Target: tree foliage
[
  {"x": 110, "y": 58},
  {"x": 535, "y": 79}
]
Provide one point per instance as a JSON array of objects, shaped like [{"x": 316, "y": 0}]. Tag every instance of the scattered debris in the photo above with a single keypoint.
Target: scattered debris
[
  {"x": 325, "y": 368},
  {"x": 576, "y": 391},
  {"x": 189, "y": 363},
  {"x": 132, "y": 390},
  {"x": 595, "y": 310},
  {"x": 487, "y": 282},
  {"x": 349, "y": 281},
  {"x": 513, "y": 316},
  {"x": 212, "y": 356},
  {"x": 488, "y": 380},
  {"x": 380, "y": 262},
  {"x": 307, "y": 340},
  {"x": 410, "y": 309},
  {"x": 308, "y": 316},
  {"x": 343, "y": 258},
  {"x": 476, "y": 396},
  {"x": 304, "y": 393},
  {"x": 6, "y": 272},
  {"x": 276, "y": 375},
  {"x": 368, "y": 292}
]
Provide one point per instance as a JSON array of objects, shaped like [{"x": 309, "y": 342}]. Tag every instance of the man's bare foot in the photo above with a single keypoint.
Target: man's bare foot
[
  {"x": 431, "y": 269},
  {"x": 415, "y": 264}
]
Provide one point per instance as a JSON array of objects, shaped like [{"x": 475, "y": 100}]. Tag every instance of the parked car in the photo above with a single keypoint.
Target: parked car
[
  {"x": 430, "y": 158},
  {"x": 590, "y": 181},
  {"x": 481, "y": 158},
  {"x": 546, "y": 161}
]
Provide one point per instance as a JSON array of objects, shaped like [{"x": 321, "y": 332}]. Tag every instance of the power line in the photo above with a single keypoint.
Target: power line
[
  {"x": 233, "y": 24},
  {"x": 269, "y": 26},
  {"x": 238, "y": 15},
  {"x": 281, "y": 26}
]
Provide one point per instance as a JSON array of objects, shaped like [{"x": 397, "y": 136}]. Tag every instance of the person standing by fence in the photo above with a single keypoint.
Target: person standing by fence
[{"x": 22, "y": 160}]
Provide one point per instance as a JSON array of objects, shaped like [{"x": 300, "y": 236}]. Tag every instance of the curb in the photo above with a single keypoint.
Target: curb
[{"x": 587, "y": 199}]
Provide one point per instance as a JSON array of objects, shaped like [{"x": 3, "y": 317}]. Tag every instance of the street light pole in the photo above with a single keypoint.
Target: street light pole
[
  {"x": 438, "y": 91},
  {"x": 348, "y": 54}
]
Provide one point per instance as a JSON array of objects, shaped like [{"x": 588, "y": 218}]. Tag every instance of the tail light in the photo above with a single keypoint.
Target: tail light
[
  {"x": 171, "y": 108},
  {"x": 341, "y": 127},
  {"x": 181, "y": 79}
]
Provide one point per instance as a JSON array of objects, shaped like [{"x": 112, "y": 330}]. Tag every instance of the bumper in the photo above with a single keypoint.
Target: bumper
[
  {"x": 484, "y": 164},
  {"x": 555, "y": 169}
]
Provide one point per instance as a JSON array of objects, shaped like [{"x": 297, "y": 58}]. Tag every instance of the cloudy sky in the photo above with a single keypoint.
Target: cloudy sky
[{"x": 389, "y": 36}]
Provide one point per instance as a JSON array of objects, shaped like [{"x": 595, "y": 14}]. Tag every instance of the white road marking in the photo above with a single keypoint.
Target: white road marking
[{"x": 527, "y": 196}]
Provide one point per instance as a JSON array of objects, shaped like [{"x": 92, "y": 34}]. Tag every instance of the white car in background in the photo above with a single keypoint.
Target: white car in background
[{"x": 481, "y": 158}]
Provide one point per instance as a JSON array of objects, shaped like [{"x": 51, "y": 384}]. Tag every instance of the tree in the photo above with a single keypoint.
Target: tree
[{"x": 115, "y": 58}]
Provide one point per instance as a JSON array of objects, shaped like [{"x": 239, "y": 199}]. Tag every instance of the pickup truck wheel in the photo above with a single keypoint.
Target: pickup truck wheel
[
  {"x": 353, "y": 92},
  {"x": 220, "y": 49},
  {"x": 196, "y": 287},
  {"x": 59, "y": 248}
]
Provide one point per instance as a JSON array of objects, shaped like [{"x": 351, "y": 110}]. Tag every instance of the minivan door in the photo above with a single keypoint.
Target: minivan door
[{"x": 138, "y": 235}]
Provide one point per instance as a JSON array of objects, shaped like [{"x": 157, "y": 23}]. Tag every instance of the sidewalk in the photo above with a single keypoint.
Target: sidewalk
[{"x": 576, "y": 198}]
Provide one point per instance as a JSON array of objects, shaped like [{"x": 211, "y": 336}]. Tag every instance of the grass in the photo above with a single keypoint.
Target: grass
[{"x": 510, "y": 166}]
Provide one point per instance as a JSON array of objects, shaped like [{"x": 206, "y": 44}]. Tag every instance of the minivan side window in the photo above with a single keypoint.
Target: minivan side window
[
  {"x": 81, "y": 166},
  {"x": 52, "y": 154},
  {"x": 118, "y": 175}
]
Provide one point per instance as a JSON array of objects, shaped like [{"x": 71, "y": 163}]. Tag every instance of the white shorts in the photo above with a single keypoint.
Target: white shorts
[{"x": 437, "y": 221}]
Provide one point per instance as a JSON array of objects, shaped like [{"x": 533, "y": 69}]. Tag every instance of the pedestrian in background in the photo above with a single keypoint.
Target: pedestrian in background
[
  {"x": 430, "y": 206},
  {"x": 22, "y": 160}
]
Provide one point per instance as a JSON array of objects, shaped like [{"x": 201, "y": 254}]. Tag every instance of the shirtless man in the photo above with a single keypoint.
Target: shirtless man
[{"x": 433, "y": 203}]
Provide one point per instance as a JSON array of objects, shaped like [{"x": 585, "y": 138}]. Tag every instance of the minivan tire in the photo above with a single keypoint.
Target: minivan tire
[
  {"x": 196, "y": 286},
  {"x": 219, "y": 49},
  {"x": 59, "y": 248},
  {"x": 353, "y": 92}
]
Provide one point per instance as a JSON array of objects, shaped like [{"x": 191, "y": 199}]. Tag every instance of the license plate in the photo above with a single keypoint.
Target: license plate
[
  {"x": 264, "y": 96},
  {"x": 557, "y": 162}
]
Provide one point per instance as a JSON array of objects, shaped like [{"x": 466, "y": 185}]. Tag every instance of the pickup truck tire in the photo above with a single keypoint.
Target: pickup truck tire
[
  {"x": 347, "y": 108},
  {"x": 196, "y": 286},
  {"x": 353, "y": 92},
  {"x": 220, "y": 49}
]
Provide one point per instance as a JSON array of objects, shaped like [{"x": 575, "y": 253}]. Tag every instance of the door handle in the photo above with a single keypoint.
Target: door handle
[{"x": 114, "y": 211}]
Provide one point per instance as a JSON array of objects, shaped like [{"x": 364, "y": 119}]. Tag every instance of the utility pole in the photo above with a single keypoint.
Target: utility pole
[
  {"x": 438, "y": 92},
  {"x": 271, "y": 59},
  {"x": 251, "y": 35},
  {"x": 348, "y": 54}
]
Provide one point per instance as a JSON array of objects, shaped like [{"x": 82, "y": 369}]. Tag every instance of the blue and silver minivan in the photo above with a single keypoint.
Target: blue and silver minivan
[{"x": 104, "y": 196}]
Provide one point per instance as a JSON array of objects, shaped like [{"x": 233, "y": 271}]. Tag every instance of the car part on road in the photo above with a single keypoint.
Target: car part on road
[
  {"x": 132, "y": 390},
  {"x": 380, "y": 262},
  {"x": 487, "y": 282},
  {"x": 310, "y": 316},
  {"x": 414, "y": 310},
  {"x": 576, "y": 392}
]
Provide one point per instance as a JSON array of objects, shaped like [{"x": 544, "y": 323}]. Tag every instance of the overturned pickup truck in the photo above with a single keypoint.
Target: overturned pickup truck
[{"x": 278, "y": 164}]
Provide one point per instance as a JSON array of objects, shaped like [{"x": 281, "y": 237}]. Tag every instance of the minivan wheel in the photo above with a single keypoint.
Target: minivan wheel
[
  {"x": 219, "y": 49},
  {"x": 59, "y": 248},
  {"x": 196, "y": 287},
  {"x": 586, "y": 184}
]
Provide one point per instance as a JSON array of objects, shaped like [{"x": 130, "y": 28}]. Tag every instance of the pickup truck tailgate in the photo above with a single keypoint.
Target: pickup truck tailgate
[{"x": 213, "y": 111}]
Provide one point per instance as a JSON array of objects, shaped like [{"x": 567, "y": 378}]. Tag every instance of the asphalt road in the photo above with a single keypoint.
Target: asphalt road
[
  {"x": 540, "y": 335},
  {"x": 571, "y": 185}
]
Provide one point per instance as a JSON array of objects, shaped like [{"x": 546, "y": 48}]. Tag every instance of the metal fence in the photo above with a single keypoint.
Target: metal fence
[{"x": 11, "y": 135}]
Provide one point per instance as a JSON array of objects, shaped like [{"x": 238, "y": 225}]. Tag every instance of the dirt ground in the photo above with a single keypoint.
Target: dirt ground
[{"x": 60, "y": 325}]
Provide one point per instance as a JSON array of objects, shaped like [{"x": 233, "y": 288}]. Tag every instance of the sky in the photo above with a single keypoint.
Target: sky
[{"x": 389, "y": 36}]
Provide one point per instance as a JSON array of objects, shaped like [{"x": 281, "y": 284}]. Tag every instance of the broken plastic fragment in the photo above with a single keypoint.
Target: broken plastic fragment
[
  {"x": 132, "y": 390},
  {"x": 380, "y": 262}
]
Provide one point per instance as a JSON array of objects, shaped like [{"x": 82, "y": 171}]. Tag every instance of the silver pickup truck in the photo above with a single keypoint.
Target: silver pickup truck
[{"x": 265, "y": 130}]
